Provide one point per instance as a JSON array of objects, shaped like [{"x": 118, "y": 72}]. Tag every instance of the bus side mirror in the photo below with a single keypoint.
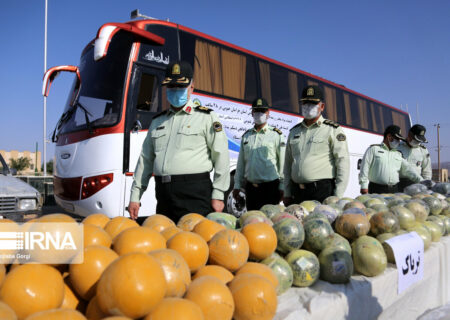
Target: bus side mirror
[{"x": 51, "y": 74}]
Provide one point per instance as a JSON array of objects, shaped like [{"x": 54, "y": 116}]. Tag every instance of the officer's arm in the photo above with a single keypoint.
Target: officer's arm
[
  {"x": 287, "y": 169},
  {"x": 426, "y": 166},
  {"x": 365, "y": 167},
  {"x": 407, "y": 170},
  {"x": 217, "y": 142},
  {"x": 281, "y": 151},
  {"x": 341, "y": 161},
  {"x": 144, "y": 169},
  {"x": 239, "y": 174}
]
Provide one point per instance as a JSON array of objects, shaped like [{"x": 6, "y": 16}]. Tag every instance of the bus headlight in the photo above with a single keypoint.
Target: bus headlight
[{"x": 27, "y": 204}]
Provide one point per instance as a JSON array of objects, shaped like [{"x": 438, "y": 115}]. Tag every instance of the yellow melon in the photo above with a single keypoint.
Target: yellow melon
[
  {"x": 118, "y": 224},
  {"x": 229, "y": 249},
  {"x": 208, "y": 228},
  {"x": 262, "y": 240},
  {"x": 261, "y": 270},
  {"x": 96, "y": 236},
  {"x": 138, "y": 239},
  {"x": 96, "y": 219},
  {"x": 176, "y": 308},
  {"x": 192, "y": 248},
  {"x": 57, "y": 314},
  {"x": 215, "y": 271},
  {"x": 189, "y": 221},
  {"x": 6, "y": 312},
  {"x": 169, "y": 232},
  {"x": 158, "y": 222}
]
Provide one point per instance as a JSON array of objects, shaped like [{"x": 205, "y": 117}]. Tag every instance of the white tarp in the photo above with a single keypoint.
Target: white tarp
[{"x": 373, "y": 298}]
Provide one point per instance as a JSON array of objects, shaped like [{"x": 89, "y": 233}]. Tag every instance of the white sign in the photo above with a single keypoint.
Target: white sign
[{"x": 409, "y": 258}]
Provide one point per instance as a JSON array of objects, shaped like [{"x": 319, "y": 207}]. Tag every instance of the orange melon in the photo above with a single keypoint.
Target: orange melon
[
  {"x": 189, "y": 221},
  {"x": 131, "y": 286},
  {"x": 6, "y": 225},
  {"x": 229, "y": 249},
  {"x": 6, "y": 312},
  {"x": 208, "y": 228},
  {"x": 192, "y": 248},
  {"x": 176, "y": 271},
  {"x": 176, "y": 308},
  {"x": 138, "y": 239},
  {"x": 71, "y": 301},
  {"x": 158, "y": 222},
  {"x": 261, "y": 270},
  {"x": 118, "y": 224},
  {"x": 96, "y": 219},
  {"x": 84, "y": 276},
  {"x": 31, "y": 288},
  {"x": 2, "y": 273},
  {"x": 262, "y": 240},
  {"x": 56, "y": 217},
  {"x": 213, "y": 297},
  {"x": 254, "y": 297},
  {"x": 57, "y": 314},
  {"x": 169, "y": 232},
  {"x": 117, "y": 318},
  {"x": 215, "y": 271},
  {"x": 93, "y": 311},
  {"x": 95, "y": 236}
]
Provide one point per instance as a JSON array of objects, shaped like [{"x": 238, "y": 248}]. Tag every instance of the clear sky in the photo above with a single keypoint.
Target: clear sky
[{"x": 397, "y": 52}]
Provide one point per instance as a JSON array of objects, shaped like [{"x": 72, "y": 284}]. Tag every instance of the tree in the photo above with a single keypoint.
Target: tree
[
  {"x": 49, "y": 167},
  {"x": 20, "y": 163}
]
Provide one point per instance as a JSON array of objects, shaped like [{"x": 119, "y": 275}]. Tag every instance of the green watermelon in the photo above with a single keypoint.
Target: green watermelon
[
  {"x": 387, "y": 248},
  {"x": 330, "y": 200},
  {"x": 352, "y": 226},
  {"x": 341, "y": 203},
  {"x": 363, "y": 198},
  {"x": 369, "y": 257},
  {"x": 318, "y": 233},
  {"x": 336, "y": 265},
  {"x": 434, "y": 204},
  {"x": 418, "y": 209},
  {"x": 271, "y": 210},
  {"x": 397, "y": 201},
  {"x": 250, "y": 213},
  {"x": 355, "y": 211},
  {"x": 405, "y": 217},
  {"x": 415, "y": 189},
  {"x": 314, "y": 216},
  {"x": 384, "y": 222},
  {"x": 400, "y": 232},
  {"x": 340, "y": 242},
  {"x": 372, "y": 202},
  {"x": 305, "y": 267},
  {"x": 282, "y": 271},
  {"x": 281, "y": 216},
  {"x": 435, "y": 230},
  {"x": 380, "y": 207},
  {"x": 327, "y": 211},
  {"x": 290, "y": 235},
  {"x": 439, "y": 222},
  {"x": 309, "y": 205},
  {"x": 297, "y": 211},
  {"x": 256, "y": 219},
  {"x": 446, "y": 221},
  {"x": 355, "y": 204},
  {"x": 423, "y": 232},
  {"x": 225, "y": 219}
]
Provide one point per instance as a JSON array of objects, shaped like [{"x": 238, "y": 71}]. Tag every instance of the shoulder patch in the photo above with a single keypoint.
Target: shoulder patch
[
  {"x": 331, "y": 123},
  {"x": 217, "y": 126},
  {"x": 203, "y": 109},
  {"x": 341, "y": 137},
  {"x": 277, "y": 131},
  {"x": 159, "y": 114}
]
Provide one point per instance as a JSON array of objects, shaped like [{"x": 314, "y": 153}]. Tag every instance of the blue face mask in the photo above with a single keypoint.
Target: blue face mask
[{"x": 177, "y": 97}]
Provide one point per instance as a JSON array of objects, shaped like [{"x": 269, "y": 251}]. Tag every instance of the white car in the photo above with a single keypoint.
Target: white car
[{"x": 16, "y": 196}]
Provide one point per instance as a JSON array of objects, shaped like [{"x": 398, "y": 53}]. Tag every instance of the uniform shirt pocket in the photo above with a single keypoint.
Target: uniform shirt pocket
[
  {"x": 319, "y": 145},
  {"x": 294, "y": 143},
  {"x": 189, "y": 137},
  {"x": 159, "y": 138}
]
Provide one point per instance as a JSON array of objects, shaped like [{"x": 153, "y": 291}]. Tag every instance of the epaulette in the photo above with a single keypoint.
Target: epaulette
[
  {"x": 203, "y": 109},
  {"x": 159, "y": 114},
  {"x": 277, "y": 131},
  {"x": 423, "y": 147},
  {"x": 298, "y": 124},
  {"x": 247, "y": 132},
  {"x": 331, "y": 123}
]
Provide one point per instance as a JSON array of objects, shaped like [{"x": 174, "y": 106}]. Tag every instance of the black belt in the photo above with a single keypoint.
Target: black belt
[
  {"x": 383, "y": 185},
  {"x": 182, "y": 177},
  {"x": 256, "y": 185},
  {"x": 315, "y": 184}
]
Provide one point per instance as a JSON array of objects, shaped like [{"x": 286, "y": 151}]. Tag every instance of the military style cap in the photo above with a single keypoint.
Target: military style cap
[
  {"x": 178, "y": 73},
  {"x": 260, "y": 103},
  {"x": 312, "y": 94},
  {"x": 418, "y": 132},
  {"x": 395, "y": 131}
]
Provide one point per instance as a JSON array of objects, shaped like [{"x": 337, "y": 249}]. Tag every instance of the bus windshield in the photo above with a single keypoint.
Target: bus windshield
[{"x": 101, "y": 91}]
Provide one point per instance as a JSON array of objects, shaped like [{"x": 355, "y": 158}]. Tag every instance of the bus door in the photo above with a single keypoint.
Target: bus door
[{"x": 144, "y": 101}]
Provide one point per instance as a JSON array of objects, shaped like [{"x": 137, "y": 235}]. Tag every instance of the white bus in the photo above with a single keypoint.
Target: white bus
[{"x": 117, "y": 91}]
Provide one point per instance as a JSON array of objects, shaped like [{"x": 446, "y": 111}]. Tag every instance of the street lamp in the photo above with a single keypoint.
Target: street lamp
[{"x": 45, "y": 98}]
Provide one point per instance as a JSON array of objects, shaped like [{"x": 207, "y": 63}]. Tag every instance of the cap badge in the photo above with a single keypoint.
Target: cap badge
[
  {"x": 259, "y": 102},
  {"x": 422, "y": 133},
  {"x": 176, "y": 69},
  {"x": 310, "y": 92}
]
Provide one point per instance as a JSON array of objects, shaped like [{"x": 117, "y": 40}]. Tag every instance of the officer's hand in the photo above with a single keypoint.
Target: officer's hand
[
  {"x": 287, "y": 201},
  {"x": 364, "y": 191},
  {"x": 133, "y": 209},
  {"x": 217, "y": 205},
  {"x": 236, "y": 195}
]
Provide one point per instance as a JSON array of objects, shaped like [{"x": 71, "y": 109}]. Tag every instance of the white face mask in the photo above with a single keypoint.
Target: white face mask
[
  {"x": 414, "y": 143},
  {"x": 310, "y": 111},
  {"x": 259, "y": 117},
  {"x": 394, "y": 144}
]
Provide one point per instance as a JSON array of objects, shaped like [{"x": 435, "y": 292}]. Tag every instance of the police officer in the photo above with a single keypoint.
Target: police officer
[
  {"x": 382, "y": 164},
  {"x": 416, "y": 154},
  {"x": 317, "y": 161},
  {"x": 261, "y": 159},
  {"x": 183, "y": 145}
]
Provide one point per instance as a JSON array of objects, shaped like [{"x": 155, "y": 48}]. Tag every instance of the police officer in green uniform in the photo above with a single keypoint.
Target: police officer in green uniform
[
  {"x": 416, "y": 154},
  {"x": 317, "y": 161},
  {"x": 261, "y": 159},
  {"x": 382, "y": 164},
  {"x": 183, "y": 145}
]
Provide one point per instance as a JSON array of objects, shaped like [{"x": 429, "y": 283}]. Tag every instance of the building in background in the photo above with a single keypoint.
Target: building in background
[{"x": 35, "y": 162}]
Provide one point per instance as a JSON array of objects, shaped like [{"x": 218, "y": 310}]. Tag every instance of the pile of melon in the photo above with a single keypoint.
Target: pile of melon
[{"x": 199, "y": 268}]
